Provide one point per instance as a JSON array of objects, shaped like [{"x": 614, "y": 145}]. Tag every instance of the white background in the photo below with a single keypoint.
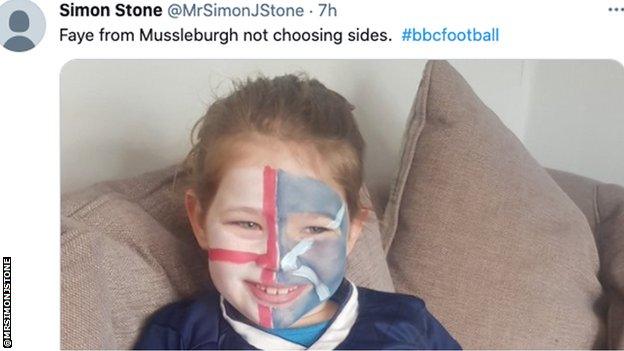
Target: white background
[{"x": 29, "y": 101}]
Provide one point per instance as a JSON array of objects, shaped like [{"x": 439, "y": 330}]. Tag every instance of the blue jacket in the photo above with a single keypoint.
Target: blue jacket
[{"x": 366, "y": 319}]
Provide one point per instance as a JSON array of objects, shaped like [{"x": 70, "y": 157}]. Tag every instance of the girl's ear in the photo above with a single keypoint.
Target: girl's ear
[
  {"x": 355, "y": 228},
  {"x": 196, "y": 216}
]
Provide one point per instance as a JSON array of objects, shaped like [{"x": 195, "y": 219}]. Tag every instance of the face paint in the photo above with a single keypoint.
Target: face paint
[
  {"x": 313, "y": 229},
  {"x": 291, "y": 259}
]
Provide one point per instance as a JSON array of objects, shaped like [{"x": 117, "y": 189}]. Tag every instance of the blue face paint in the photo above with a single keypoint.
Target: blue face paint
[{"x": 307, "y": 257}]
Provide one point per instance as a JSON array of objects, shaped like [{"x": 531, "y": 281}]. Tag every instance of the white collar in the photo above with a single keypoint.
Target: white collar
[{"x": 332, "y": 337}]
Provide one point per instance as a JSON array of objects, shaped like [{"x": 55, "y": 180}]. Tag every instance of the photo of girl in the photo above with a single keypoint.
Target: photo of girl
[
  {"x": 341, "y": 204},
  {"x": 274, "y": 202}
]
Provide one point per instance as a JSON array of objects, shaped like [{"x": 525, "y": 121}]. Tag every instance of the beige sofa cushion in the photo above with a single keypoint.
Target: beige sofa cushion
[
  {"x": 603, "y": 205},
  {"x": 479, "y": 230},
  {"x": 610, "y": 211},
  {"x": 127, "y": 249}
]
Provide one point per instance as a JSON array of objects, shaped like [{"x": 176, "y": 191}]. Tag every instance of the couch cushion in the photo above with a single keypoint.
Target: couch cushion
[
  {"x": 582, "y": 191},
  {"x": 603, "y": 205},
  {"x": 479, "y": 230},
  {"x": 610, "y": 211},
  {"x": 127, "y": 249}
]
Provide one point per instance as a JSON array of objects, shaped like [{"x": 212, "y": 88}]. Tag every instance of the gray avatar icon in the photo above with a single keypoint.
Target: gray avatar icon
[
  {"x": 22, "y": 25},
  {"x": 19, "y": 23}
]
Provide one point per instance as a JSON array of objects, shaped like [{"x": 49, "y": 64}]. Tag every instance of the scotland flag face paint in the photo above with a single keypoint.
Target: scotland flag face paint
[{"x": 278, "y": 244}]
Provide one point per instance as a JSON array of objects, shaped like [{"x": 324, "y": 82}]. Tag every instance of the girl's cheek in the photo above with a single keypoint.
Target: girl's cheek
[{"x": 329, "y": 257}]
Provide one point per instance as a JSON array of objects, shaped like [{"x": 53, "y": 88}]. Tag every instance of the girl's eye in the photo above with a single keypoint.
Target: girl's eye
[
  {"x": 248, "y": 225},
  {"x": 316, "y": 230}
]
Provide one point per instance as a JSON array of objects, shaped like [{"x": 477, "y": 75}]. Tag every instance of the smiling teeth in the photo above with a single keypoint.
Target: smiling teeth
[{"x": 275, "y": 291}]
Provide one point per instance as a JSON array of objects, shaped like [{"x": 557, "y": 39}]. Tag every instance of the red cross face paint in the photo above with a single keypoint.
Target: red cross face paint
[{"x": 278, "y": 244}]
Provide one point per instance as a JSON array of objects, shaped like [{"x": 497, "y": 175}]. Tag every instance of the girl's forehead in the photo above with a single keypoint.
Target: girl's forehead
[
  {"x": 250, "y": 182},
  {"x": 319, "y": 196},
  {"x": 296, "y": 158}
]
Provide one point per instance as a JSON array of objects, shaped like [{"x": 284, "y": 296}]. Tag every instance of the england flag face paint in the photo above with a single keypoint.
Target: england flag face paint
[{"x": 278, "y": 244}]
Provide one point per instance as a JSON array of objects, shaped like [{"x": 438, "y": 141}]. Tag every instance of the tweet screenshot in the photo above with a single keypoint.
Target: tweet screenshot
[{"x": 312, "y": 174}]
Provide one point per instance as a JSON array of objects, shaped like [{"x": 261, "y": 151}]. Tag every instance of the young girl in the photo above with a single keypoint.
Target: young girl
[{"x": 274, "y": 201}]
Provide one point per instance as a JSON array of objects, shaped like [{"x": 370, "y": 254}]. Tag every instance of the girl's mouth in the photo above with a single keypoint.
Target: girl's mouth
[{"x": 275, "y": 295}]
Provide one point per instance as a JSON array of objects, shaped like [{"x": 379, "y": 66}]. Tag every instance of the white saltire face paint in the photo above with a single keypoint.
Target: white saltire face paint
[
  {"x": 291, "y": 264},
  {"x": 278, "y": 252}
]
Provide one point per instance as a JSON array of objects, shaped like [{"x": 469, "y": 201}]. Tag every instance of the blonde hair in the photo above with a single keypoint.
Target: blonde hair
[{"x": 290, "y": 108}]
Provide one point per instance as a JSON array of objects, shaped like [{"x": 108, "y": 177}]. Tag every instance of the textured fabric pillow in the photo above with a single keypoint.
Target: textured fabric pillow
[
  {"x": 610, "y": 210},
  {"x": 479, "y": 230},
  {"x": 603, "y": 205},
  {"x": 127, "y": 249}
]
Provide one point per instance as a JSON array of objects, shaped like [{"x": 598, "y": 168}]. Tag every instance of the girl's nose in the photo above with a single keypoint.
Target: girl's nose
[{"x": 290, "y": 261}]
